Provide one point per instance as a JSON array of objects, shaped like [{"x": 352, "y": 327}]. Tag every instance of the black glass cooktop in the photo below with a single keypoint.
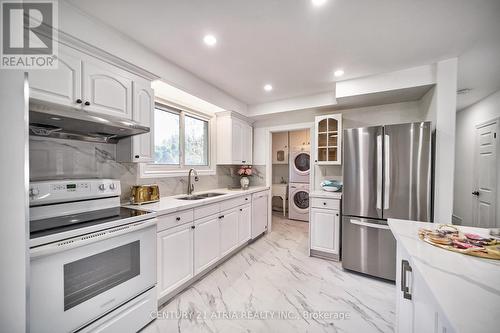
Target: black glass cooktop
[{"x": 54, "y": 225}]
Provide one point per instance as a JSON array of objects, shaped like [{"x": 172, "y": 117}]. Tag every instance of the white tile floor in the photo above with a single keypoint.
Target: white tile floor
[{"x": 275, "y": 276}]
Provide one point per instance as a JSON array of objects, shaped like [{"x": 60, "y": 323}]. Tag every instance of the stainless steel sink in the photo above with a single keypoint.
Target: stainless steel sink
[{"x": 200, "y": 196}]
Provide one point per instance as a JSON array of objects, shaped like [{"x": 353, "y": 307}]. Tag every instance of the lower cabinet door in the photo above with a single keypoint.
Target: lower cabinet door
[
  {"x": 206, "y": 243},
  {"x": 325, "y": 228},
  {"x": 244, "y": 224},
  {"x": 229, "y": 231},
  {"x": 175, "y": 258}
]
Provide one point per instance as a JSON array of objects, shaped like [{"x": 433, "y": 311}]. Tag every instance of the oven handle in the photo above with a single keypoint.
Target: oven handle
[{"x": 97, "y": 236}]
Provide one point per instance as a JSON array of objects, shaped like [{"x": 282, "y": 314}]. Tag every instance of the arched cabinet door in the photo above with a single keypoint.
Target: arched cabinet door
[
  {"x": 143, "y": 113},
  {"x": 61, "y": 85},
  {"x": 106, "y": 89}
]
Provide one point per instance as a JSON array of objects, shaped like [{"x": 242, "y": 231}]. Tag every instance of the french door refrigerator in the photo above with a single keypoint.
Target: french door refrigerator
[{"x": 387, "y": 174}]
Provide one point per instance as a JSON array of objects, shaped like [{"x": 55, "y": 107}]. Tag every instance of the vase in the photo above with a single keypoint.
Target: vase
[{"x": 244, "y": 181}]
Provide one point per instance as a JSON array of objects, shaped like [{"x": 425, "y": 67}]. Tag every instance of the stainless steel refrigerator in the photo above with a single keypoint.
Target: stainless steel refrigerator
[{"x": 387, "y": 173}]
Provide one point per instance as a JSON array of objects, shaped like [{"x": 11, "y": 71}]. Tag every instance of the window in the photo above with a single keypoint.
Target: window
[{"x": 181, "y": 141}]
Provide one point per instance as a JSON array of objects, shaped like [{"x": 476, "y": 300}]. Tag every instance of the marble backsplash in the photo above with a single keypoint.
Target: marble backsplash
[{"x": 61, "y": 159}]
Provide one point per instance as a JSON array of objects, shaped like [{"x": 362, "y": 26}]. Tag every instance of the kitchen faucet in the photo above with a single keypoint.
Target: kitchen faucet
[{"x": 190, "y": 183}]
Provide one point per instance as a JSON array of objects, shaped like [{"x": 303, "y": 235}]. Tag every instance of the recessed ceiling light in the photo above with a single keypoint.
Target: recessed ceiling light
[
  {"x": 268, "y": 87},
  {"x": 210, "y": 40},
  {"x": 318, "y": 3},
  {"x": 338, "y": 73}
]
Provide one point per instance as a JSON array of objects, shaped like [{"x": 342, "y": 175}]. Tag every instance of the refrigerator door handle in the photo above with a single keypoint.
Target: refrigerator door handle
[
  {"x": 387, "y": 165},
  {"x": 379, "y": 172},
  {"x": 370, "y": 225}
]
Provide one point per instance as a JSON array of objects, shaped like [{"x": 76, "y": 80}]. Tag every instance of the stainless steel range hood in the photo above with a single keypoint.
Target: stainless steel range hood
[{"x": 54, "y": 121}]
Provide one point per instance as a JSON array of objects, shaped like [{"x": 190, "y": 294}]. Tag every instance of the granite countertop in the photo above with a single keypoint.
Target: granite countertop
[
  {"x": 325, "y": 194},
  {"x": 171, "y": 204},
  {"x": 466, "y": 288}
]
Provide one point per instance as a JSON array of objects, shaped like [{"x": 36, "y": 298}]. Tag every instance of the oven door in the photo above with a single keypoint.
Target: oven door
[{"x": 75, "y": 281}]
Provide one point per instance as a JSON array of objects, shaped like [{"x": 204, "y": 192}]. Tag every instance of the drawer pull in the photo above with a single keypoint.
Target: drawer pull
[
  {"x": 178, "y": 218},
  {"x": 324, "y": 203},
  {"x": 405, "y": 267}
]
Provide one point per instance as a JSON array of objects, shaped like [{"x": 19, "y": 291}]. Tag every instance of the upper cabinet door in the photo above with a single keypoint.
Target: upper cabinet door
[
  {"x": 106, "y": 89},
  {"x": 247, "y": 144},
  {"x": 143, "y": 113},
  {"x": 237, "y": 141},
  {"x": 328, "y": 139},
  {"x": 61, "y": 85}
]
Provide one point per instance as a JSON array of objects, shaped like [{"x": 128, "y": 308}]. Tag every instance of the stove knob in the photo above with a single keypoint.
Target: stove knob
[
  {"x": 34, "y": 192},
  {"x": 112, "y": 186},
  {"x": 102, "y": 187}
]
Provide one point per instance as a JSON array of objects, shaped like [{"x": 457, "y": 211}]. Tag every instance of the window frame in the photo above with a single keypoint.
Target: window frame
[{"x": 153, "y": 170}]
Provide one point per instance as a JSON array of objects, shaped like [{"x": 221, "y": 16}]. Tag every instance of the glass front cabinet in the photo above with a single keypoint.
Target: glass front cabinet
[{"x": 328, "y": 139}]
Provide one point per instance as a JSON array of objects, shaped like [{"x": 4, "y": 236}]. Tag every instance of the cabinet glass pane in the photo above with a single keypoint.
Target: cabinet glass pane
[
  {"x": 322, "y": 126},
  {"x": 332, "y": 140},
  {"x": 332, "y": 154},
  {"x": 322, "y": 140},
  {"x": 322, "y": 154},
  {"x": 332, "y": 125}
]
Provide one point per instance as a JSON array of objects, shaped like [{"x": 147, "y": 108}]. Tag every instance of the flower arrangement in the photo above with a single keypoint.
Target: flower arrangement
[{"x": 245, "y": 170}]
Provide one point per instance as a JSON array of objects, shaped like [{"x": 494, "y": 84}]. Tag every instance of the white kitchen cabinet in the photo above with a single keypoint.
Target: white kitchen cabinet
[
  {"x": 245, "y": 224},
  {"x": 61, "y": 85},
  {"x": 229, "y": 234},
  {"x": 139, "y": 148},
  {"x": 259, "y": 213},
  {"x": 234, "y": 139},
  {"x": 325, "y": 230},
  {"x": 106, "y": 89},
  {"x": 328, "y": 140},
  {"x": 416, "y": 309},
  {"x": 206, "y": 243},
  {"x": 280, "y": 148},
  {"x": 175, "y": 258}
]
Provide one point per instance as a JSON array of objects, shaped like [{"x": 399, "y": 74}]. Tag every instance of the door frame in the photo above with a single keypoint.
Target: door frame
[
  {"x": 269, "y": 158},
  {"x": 475, "y": 169}
]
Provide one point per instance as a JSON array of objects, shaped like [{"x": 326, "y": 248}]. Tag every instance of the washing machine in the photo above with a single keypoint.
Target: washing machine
[
  {"x": 298, "y": 201},
  {"x": 300, "y": 165}
]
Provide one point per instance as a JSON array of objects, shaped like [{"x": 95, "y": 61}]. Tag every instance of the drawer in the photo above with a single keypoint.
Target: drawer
[
  {"x": 326, "y": 203},
  {"x": 171, "y": 220},
  {"x": 228, "y": 204},
  {"x": 206, "y": 210}
]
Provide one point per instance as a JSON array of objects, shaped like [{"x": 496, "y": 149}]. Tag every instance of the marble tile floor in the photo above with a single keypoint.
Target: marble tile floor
[{"x": 276, "y": 281}]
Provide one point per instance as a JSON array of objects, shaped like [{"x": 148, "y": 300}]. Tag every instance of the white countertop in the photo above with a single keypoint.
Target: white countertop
[
  {"x": 466, "y": 288},
  {"x": 325, "y": 194},
  {"x": 168, "y": 205}
]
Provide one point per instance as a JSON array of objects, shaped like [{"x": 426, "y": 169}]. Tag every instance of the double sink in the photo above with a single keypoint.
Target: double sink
[{"x": 200, "y": 196}]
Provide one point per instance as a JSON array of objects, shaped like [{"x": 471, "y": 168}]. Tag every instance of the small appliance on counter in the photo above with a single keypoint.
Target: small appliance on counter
[{"x": 142, "y": 194}]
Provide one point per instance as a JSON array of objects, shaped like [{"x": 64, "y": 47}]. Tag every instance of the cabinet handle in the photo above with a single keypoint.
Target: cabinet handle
[
  {"x": 221, "y": 217},
  {"x": 79, "y": 101},
  {"x": 241, "y": 209},
  {"x": 337, "y": 214},
  {"x": 324, "y": 203},
  {"x": 243, "y": 161},
  {"x": 192, "y": 227},
  {"x": 246, "y": 199},
  {"x": 315, "y": 160},
  {"x": 137, "y": 156},
  {"x": 178, "y": 218},
  {"x": 405, "y": 267},
  {"x": 87, "y": 103}
]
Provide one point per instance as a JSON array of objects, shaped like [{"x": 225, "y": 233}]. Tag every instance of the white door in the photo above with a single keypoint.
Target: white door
[
  {"x": 485, "y": 176},
  {"x": 61, "y": 85},
  {"x": 143, "y": 113},
  {"x": 229, "y": 231},
  {"x": 244, "y": 224},
  {"x": 325, "y": 228},
  {"x": 175, "y": 258},
  {"x": 259, "y": 213},
  {"x": 206, "y": 243},
  {"x": 237, "y": 141},
  {"x": 106, "y": 89}
]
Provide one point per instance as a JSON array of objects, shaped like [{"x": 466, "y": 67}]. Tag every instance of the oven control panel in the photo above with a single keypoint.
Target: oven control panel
[{"x": 58, "y": 191}]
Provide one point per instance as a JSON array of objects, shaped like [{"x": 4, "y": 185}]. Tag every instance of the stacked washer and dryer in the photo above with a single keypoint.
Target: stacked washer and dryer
[{"x": 298, "y": 190}]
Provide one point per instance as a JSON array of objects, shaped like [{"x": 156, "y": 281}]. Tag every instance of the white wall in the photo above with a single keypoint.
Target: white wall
[
  {"x": 13, "y": 202},
  {"x": 467, "y": 119},
  {"x": 88, "y": 29}
]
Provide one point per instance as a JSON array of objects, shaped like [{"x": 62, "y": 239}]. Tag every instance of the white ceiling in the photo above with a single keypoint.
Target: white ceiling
[{"x": 296, "y": 47}]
